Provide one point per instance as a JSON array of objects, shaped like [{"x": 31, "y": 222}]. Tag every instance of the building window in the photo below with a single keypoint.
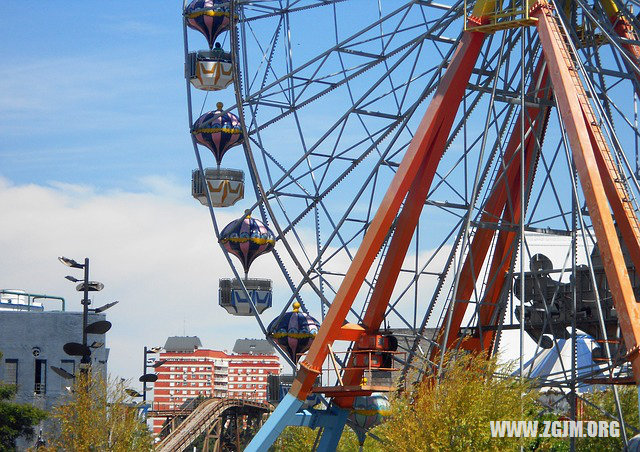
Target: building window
[
  {"x": 11, "y": 371},
  {"x": 40, "y": 377}
]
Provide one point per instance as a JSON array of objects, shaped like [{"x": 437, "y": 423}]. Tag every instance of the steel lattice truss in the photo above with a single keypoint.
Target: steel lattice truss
[{"x": 331, "y": 94}]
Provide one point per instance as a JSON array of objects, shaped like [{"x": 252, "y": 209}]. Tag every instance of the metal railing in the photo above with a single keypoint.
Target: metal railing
[
  {"x": 31, "y": 297},
  {"x": 39, "y": 388},
  {"x": 502, "y": 14}
]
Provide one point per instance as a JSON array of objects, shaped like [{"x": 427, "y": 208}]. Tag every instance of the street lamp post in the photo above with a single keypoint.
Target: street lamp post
[
  {"x": 99, "y": 327},
  {"x": 86, "y": 359},
  {"x": 144, "y": 373},
  {"x": 149, "y": 378}
]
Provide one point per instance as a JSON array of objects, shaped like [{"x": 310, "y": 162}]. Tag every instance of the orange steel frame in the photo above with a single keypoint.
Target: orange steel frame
[
  {"x": 598, "y": 176},
  {"x": 421, "y": 159}
]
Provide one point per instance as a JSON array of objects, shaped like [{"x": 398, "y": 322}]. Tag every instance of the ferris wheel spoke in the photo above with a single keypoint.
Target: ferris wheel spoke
[
  {"x": 354, "y": 74},
  {"x": 423, "y": 269},
  {"x": 322, "y": 138},
  {"x": 565, "y": 213},
  {"x": 500, "y": 130},
  {"x": 428, "y": 89},
  {"x": 609, "y": 34},
  {"x": 265, "y": 11},
  {"x": 266, "y": 60},
  {"x": 347, "y": 74},
  {"x": 320, "y": 58}
]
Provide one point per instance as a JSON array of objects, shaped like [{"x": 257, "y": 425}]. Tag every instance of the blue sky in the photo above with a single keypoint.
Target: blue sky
[
  {"x": 96, "y": 160},
  {"x": 92, "y": 92}
]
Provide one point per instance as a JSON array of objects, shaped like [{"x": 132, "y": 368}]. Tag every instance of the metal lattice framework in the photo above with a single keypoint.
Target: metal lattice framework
[
  {"x": 416, "y": 158},
  {"x": 226, "y": 424}
]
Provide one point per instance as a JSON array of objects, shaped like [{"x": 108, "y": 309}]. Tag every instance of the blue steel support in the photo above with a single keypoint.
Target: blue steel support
[
  {"x": 288, "y": 412},
  {"x": 283, "y": 415},
  {"x": 333, "y": 431}
]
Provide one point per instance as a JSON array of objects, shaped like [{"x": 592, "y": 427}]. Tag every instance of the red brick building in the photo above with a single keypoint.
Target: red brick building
[{"x": 191, "y": 371}]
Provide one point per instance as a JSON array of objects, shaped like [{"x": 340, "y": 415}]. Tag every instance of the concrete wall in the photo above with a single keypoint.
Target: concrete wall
[{"x": 45, "y": 333}]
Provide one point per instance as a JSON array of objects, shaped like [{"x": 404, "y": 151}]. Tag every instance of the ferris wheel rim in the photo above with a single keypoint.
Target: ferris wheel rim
[{"x": 264, "y": 196}]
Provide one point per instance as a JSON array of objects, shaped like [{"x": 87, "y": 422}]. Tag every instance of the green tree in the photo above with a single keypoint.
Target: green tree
[
  {"x": 596, "y": 404},
  {"x": 455, "y": 414},
  {"x": 99, "y": 416},
  {"x": 16, "y": 419},
  {"x": 302, "y": 439}
]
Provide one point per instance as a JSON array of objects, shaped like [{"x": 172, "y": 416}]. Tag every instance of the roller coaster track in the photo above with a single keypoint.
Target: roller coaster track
[{"x": 202, "y": 419}]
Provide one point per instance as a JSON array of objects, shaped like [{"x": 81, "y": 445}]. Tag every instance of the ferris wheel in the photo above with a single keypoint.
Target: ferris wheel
[{"x": 425, "y": 176}]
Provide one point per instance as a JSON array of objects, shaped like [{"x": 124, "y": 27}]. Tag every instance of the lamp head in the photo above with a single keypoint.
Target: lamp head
[
  {"x": 105, "y": 307},
  {"x": 63, "y": 373},
  {"x": 132, "y": 392},
  {"x": 70, "y": 262},
  {"x": 91, "y": 286}
]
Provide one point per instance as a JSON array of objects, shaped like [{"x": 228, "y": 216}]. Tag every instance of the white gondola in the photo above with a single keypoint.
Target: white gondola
[
  {"x": 209, "y": 70},
  {"x": 234, "y": 300},
  {"x": 226, "y": 186}
]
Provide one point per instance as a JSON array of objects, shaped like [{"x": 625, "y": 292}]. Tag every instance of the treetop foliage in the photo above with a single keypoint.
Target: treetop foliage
[
  {"x": 16, "y": 419},
  {"x": 99, "y": 416}
]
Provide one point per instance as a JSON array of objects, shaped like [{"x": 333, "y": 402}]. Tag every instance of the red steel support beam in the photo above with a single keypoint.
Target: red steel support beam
[
  {"x": 441, "y": 111},
  {"x": 500, "y": 261},
  {"x": 404, "y": 230},
  {"x": 574, "y": 107},
  {"x": 496, "y": 205},
  {"x": 505, "y": 246}
]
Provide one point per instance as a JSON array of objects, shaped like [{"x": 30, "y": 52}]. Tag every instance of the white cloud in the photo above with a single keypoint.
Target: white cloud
[{"x": 155, "y": 253}]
